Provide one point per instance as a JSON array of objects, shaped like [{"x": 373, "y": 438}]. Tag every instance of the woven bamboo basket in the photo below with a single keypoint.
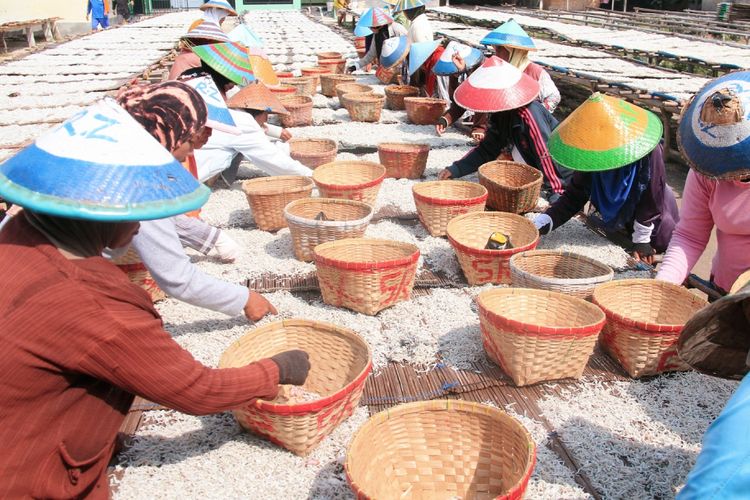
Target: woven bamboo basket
[
  {"x": 313, "y": 152},
  {"x": 300, "y": 111},
  {"x": 328, "y": 55},
  {"x": 513, "y": 187},
  {"x": 644, "y": 321},
  {"x": 329, "y": 82},
  {"x": 557, "y": 271},
  {"x": 314, "y": 73},
  {"x": 283, "y": 90},
  {"x": 344, "y": 219},
  {"x": 468, "y": 235},
  {"x": 359, "y": 42},
  {"x": 267, "y": 197},
  {"x": 335, "y": 66},
  {"x": 538, "y": 335},
  {"x": 305, "y": 85},
  {"x": 424, "y": 110},
  {"x": 364, "y": 107},
  {"x": 132, "y": 265},
  {"x": 395, "y": 95},
  {"x": 351, "y": 180},
  {"x": 440, "y": 449},
  {"x": 403, "y": 160},
  {"x": 366, "y": 275},
  {"x": 340, "y": 362},
  {"x": 438, "y": 202},
  {"x": 351, "y": 88},
  {"x": 284, "y": 74}
]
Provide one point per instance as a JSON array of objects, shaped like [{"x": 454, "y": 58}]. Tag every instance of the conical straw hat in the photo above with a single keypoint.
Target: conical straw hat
[
  {"x": 206, "y": 30},
  {"x": 419, "y": 53},
  {"x": 496, "y": 86},
  {"x": 263, "y": 70},
  {"x": 219, "y": 4},
  {"x": 604, "y": 133},
  {"x": 375, "y": 17},
  {"x": 509, "y": 34},
  {"x": 395, "y": 50},
  {"x": 257, "y": 96},
  {"x": 361, "y": 28},
  {"x": 407, "y": 5},
  {"x": 219, "y": 117},
  {"x": 100, "y": 165},
  {"x": 445, "y": 66},
  {"x": 714, "y": 132},
  {"x": 230, "y": 59}
]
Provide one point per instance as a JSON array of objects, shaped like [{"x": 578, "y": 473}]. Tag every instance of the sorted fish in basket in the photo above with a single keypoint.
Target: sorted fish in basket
[{"x": 294, "y": 394}]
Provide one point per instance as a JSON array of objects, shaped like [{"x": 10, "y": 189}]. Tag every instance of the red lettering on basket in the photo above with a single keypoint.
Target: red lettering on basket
[
  {"x": 491, "y": 270},
  {"x": 669, "y": 360},
  {"x": 395, "y": 285}
]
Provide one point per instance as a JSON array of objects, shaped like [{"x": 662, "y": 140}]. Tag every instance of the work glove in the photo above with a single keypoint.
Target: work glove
[
  {"x": 226, "y": 248},
  {"x": 643, "y": 252},
  {"x": 293, "y": 366},
  {"x": 543, "y": 223}
]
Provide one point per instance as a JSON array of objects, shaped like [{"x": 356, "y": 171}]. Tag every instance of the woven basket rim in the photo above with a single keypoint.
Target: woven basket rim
[
  {"x": 365, "y": 265},
  {"x": 499, "y": 319},
  {"x": 364, "y": 97},
  {"x": 420, "y": 147},
  {"x": 355, "y": 83},
  {"x": 339, "y": 76},
  {"x": 298, "y": 219},
  {"x": 656, "y": 328},
  {"x": 347, "y": 187},
  {"x": 301, "y": 140},
  {"x": 447, "y": 405},
  {"x": 425, "y": 100},
  {"x": 308, "y": 185},
  {"x": 314, "y": 69},
  {"x": 318, "y": 404},
  {"x": 297, "y": 79},
  {"x": 321, "y": 54},
  {"x": 433, "y": 200},
  {"x": 538, "y": 177},
  {"x": 601, "y": 278},
  {"x": 400, "y": 89},
  {"x": 295, "y": 100},
  {"x": 484, "y": 251},
  {"x": 281, "y": 88}
]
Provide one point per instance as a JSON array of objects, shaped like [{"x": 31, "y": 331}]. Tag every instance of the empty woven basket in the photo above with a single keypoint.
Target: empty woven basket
[
  {"x": 363, "y": 107},
  {"x": 342, "y": 219},
  {"x": 395, "y": 95},
  {"x": 340, "y": 362},
  {"x": 314, "y": 73},
  {"x": 267, "y": 197},
  {"x": 513, "y": 187},
  {"x": 329, "y": 55},
  {"x": 366, "y": 275},
  {"x": 644, "y": 321},
  {"x": 468, "y": 235},
  {"x": 313, "y": 152},
  {"x": 351, "y": 180},
  {"x": 424, "y": 110},
  {"x": 403, "y": 160},
  {"x": 438, "y": 202},
  {"x": 440, "y": 449},
  {"x": 537, "y": 335},
  {"x": 335, "y": 66},
  {"x": 564, "y": 272},
  {"x": 329, "y": 82},
  {"x": 300, "y": 111},
  {"x": 305, "y": 85},
  {"x": 351, "y": 88}
]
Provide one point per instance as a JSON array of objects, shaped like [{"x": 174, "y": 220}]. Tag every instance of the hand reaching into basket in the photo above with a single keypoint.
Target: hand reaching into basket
[
  {"x": 643, "y": 252},
  {"x": 444, "y": 175},
  {"x": 293, "y": 366},
  {"x": 285, "y": 135},
  {"x": 441, "y": 125},
  {"x": 258, "y": 306}
]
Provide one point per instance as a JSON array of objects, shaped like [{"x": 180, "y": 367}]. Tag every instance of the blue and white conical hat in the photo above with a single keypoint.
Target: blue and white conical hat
[
  {"x": 362, "y": 28},
  {"x": 714, "y": 132},
  {"x": 219, "y": 117},
  {"x": 403, "y": 5},
  {"x": 206, "y": 30},
  {"x": 219, "y": 4},
  {"x": 509, "y": 34},
  {"x": 100, "y": 165},
  {"x": 394, "y": 51},
  {"x": 247, "y": 37},
  {"x": 419, "y": 53},
  {"x": 470, "y": 55}
]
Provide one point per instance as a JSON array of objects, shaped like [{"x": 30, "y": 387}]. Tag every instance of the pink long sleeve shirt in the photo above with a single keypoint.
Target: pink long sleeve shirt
[{"x": 707, "y": 203}]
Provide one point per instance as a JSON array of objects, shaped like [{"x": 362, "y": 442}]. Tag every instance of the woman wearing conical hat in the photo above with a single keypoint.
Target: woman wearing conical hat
[
  {"x": 517, "y": 121},
  {"x": 383, "y": 28},
  {"x": 420, "y": 29},
  {"x": 79, "y": 339},
  {"x": 513, "y": 44},
  {"x": 214, "y": 11},
  {"x": 714, "y": 137},
  {"x": 614, "y": 148},
  {"x": 204, "y": 33}
]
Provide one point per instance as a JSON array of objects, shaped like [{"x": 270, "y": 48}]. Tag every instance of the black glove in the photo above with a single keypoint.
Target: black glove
[
  {"x": 643, "y": 249},
  {"x": 351, "y": 69},
  {"x": 293, "y": 366}
]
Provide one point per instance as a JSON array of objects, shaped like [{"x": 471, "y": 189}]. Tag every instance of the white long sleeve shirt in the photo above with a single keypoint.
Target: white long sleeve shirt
[
  {"x": 420, "y": 30},
  {"x": 253, "y": 143},
  {"x": 394, "y": 29}
]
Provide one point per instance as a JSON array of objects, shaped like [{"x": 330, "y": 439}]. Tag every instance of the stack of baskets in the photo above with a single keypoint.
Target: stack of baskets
[
  {"x": 395, "y": 95},
  {"x": 438, "y": 202},
  {"x": 313, "y": 152},
  {"x": 468, "y": 235},
  {"x": 300, "y": 111},
  {"x": 350, "y": 180},
  {"x": 424, "y": 110},
  {"x": 283, "y": 90},
  {"x": 267, "y": 197},
  {"x": 351, "y": 88},
  {"x": 341, "y": 219},
  {"x": 440, "y": 449},
  {"x": 512, "y": 187},
  {"x": 644, "y": 321},
  {"x": 537, "y": 335},
  {"x": 363, "y": 107},
  {"x": 403, "y": 160},
  {"x": 366, "y": 275},
  {"x": 305, "y": 85},
  {"x": 340, "y": 362},
  {"x": 329, "y": 82}
]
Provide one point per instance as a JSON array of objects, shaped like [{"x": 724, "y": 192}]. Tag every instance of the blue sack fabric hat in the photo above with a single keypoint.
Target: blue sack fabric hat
[
  {"x": 419, "y": 53},
  {"x": 247, "y": 37},
  {"x": 403, "y": 5},
  {"x": 362, "y": 26},
  {"x": 219, "y": 117},
  {"x": 714, "y": 131},
  {"x": 100, "y": 165},
  {"x": 470, "y": 55},
  {"x": 394, "y": 51},
  {"x": 509, "y": 34}
]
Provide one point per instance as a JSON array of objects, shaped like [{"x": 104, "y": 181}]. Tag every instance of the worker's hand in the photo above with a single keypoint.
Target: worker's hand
[
  {"x": 226, "y": 248},
  {"x": 441, "y": 125},
  {"x": 285, "y": 135},
  {"x": 643, "y": 252},
  {"x": 459, "y": 62},
  {"x": 444, "y": 175},
  {"x": 477, "y": 135},
  {"x": 543, "y": 223},
  {"x": 87, "y": 17},
  {"x": 293, "y": 366},
  {"x": 351, "y": 69},
  {"x": 258, "y": 306}
]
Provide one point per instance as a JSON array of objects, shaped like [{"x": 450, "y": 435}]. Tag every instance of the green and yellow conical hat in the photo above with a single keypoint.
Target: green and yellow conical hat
[{"x": 604, "y": 133}]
